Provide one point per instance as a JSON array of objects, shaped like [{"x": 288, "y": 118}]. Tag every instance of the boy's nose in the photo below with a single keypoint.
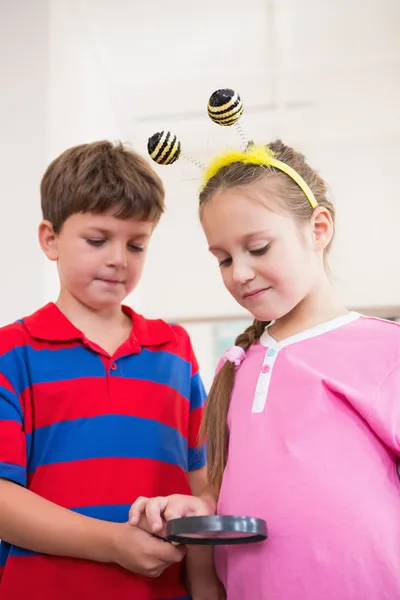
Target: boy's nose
[{"x": 117, "y": 257}]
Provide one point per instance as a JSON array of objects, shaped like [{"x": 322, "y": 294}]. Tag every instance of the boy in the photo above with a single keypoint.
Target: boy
[{"x": 98, "y": 405}]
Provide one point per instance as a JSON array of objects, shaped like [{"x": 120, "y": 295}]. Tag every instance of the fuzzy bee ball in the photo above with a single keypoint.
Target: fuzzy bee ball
[
  {"x": 164, "y": 148},
  {"x": 225, "y": 107}
]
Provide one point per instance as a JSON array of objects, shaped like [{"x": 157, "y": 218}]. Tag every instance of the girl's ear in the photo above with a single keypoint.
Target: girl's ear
[{"x": 322, "y": 227}]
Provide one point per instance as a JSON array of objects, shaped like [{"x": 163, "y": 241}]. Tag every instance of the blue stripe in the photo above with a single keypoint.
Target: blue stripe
[
  {"x": 17, "y": 551},
  {"x": 198, "y": 393},
  {"x": 114, "y": 513},
  {"x": 107, "y": 436},
  {"x": 24, "y": 366},
  {"x": 159, "y": 367},
  {"x": 197, "y": 458},
  {"x": 118, "y": 513},
  {"x": 13, "y": 367},
  {"x": 10, "y": 408},
  {"x": 180, "y": 598},
  {"x": 14, "y": 473},
  {"x": 4, "y": 550}
]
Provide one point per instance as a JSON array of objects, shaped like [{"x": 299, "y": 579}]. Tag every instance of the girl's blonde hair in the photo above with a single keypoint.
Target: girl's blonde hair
[{"x": 292, "y": 199}]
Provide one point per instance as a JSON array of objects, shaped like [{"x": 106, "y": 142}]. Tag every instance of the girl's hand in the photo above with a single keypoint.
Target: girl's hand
[
  {"x": 213, "y": 591},
  {"x": 164, "y": 508},
  {"x": 202, "y": 579}
]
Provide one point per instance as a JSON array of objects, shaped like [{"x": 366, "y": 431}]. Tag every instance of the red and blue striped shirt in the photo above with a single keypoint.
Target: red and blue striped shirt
[{"x": 92, "y": 432}]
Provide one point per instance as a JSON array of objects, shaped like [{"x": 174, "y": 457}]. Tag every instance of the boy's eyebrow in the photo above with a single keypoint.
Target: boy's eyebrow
[
  {"x": 244, "y": 238},
  {"x": 104, "y": 231}
]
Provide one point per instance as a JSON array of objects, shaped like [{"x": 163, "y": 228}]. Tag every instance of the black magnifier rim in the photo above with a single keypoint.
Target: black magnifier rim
[{"x": 248, "y": 529}]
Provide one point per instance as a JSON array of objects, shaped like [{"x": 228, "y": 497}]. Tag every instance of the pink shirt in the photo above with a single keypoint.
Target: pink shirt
[{"x": 314, "y": 428}]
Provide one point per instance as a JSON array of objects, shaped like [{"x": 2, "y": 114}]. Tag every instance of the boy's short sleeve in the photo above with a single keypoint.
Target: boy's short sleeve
[
  {"x": 197, "y": 453},
  {"x": 12, "y": 436}
]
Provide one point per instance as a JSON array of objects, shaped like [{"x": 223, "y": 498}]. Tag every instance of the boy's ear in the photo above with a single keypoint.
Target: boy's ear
[{"x": 48, "y": 240}]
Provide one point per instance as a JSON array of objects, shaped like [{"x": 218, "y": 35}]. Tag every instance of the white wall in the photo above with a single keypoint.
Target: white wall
[
  {"x": 322, "y": 75},
  {"x": 24, "y": 52},
  {"x": 324, "y": 78}
]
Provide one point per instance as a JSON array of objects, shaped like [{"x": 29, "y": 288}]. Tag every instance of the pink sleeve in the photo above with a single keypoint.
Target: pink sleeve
[{"x": 384, "y": 414}]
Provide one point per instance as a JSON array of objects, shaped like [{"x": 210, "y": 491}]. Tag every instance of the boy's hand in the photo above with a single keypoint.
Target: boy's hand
[
  {"x": 140, "y": 552},
  {"x": 165, "y": 508}
]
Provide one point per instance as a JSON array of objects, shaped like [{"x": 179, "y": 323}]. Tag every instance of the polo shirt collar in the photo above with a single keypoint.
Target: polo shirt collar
[{"x": 50, "y": 324}]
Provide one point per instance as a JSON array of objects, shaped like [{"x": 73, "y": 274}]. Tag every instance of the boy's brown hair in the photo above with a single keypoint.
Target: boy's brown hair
[{"x": 101, "y": 177}]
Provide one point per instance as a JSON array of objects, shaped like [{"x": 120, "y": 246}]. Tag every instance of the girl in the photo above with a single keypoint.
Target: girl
[{"x": 303, "y": 418}]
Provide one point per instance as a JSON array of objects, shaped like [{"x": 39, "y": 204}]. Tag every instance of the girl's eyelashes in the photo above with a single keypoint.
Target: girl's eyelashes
[
  {"x": 226, "y": 262},
  {"x": 260, "y": 251}
]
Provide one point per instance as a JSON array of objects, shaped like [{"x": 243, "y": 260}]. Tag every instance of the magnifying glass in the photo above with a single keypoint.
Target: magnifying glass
[{"x": 216, "y": 530}]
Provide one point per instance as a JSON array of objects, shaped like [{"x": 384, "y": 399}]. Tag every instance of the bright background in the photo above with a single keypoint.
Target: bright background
[{"x": 322, "y": 75}]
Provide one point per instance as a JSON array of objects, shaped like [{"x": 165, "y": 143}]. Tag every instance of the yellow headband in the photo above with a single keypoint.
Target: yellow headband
[
  {"x": 225, "y": 108},
  {"x": 256, "y": 155}
]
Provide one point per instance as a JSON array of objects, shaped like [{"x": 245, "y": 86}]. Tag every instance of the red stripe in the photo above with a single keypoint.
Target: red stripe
[
  {"x": 107, "y": 481},
  {"x": 56, "y": 578},
  {"x": 12, "y": 443},
  {"x": 169, "y": 584},
  {"x": 182, "y": 347},
  {"x": 12, "y": 335},
  {"x": 17, "y": 334},
  {"x": 85, "y": 398},
  {"x": 5, "y": 383}
]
